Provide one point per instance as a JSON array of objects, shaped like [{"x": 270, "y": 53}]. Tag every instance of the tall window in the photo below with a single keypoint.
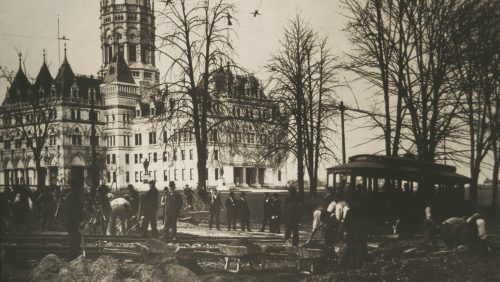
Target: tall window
[
  {"x": 136, "y": 159},
  {"x": 138, "y": 139},
  {"x": 127, "y": 159},
  {"x": 152, "y": 137},
  {"x": 165, "y": 136},
  {"x": 132, "y": 52},
  {"x": 191, "y": 174},
  {"x": 113, "y": 159},
  {"x": 76, "y": 138},
  {"x": 216, "y": 174},
  {"x": 279, "y": 175},
  {"x": 165, "y": 175},
  {"x": 127, "y": 177},
  {"x": 216, "y": 155},
  {"x": 155, "y": 157},
  {"x": 191, "y": 154},
  {"x": 183, "y": 170},
  {"x": 183, "y": 154},
  {"x": 174, "y": 157}
]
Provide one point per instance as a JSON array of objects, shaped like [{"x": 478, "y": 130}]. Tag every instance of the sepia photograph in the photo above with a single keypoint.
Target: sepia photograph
[{"x": 249, "y": 140}]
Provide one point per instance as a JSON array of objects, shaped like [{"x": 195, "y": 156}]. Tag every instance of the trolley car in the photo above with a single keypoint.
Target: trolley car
[{"x": 402, "y": 185}]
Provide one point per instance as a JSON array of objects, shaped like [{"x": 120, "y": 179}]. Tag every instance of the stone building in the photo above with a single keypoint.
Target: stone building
[
  {"x": 130, "y": 125},
  {"x": 66, "y": 151}
]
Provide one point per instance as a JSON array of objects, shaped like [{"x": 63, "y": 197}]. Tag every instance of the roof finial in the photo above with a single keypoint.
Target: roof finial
[
  {"x": 20, "y": 54},
  {"x": 64, "y": 50},
  {"x": 44, "y": 54}
]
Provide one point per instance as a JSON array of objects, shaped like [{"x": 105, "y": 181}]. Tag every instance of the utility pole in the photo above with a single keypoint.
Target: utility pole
[
  {"x": 93, "y": 141},
  {"x": 59, "y": 38},
  {"x": 342, "y": 110}
]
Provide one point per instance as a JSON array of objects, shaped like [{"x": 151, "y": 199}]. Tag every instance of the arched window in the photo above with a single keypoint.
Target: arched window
[{"x": 76, "y": 137}]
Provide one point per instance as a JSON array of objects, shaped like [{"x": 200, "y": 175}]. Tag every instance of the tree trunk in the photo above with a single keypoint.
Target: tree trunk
[
  {"x": 496, "y": 171},
  {"x": 40, "y": 172},
  {"x": 300, "y": 153},
  {"x": 473, "y": 185}
]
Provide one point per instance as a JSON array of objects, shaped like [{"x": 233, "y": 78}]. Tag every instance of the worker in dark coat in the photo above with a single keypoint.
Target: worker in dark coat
[
  {"x": 275, "y": 214},
  {"x": 355, "y": 226},
  {"x": 47, "y": 202},
  {"x": 244, "y": 212},
  {"x": 231, "y": 211},
  {"x": 292, "y": 216},
  {"x": 173, "y": 204},
  {"x": 150, "y": 206},
  {"x": 134, "y": 199},
  {"x": 21, "y": 208},
  {"x": 104, "y": 201},
  {"x": 266, "y": 220},
  {"x": 214, "y": 211},
  {"x": 74, "y": 215}
]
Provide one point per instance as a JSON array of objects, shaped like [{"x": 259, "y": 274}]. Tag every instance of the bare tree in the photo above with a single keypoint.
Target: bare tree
[
  {"x": 198, "y": 39},
  {"x": 302, "y": 77},
  {"x": 319, "y": 108},
  {"x": 407, "y": 48},
  {"x": 478, "y": 72},
  {"x": 377, "y": 30}
]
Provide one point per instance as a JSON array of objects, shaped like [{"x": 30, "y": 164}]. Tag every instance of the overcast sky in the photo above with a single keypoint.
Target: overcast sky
[{"x": 31, "y": 26}]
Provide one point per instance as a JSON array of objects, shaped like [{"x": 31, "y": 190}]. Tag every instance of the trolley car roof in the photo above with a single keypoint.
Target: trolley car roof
[{"x": 399, "y": 168}]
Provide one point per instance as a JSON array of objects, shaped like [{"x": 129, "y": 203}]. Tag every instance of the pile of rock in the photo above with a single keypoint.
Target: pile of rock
[{"x": 105, "y": 268}]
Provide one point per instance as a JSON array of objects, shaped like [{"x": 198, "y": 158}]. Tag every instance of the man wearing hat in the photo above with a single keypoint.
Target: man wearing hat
[
  {"x": 231, "y": 211},
  {"x": 244, "y": 212},
  {"x": 150, "y": 206},
  {"x": 173, "y": 204},
  {"x": 214, "y": 211}
]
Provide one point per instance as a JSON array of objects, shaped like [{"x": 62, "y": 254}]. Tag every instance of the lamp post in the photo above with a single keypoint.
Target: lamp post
[{"x": 342, "y": 110}]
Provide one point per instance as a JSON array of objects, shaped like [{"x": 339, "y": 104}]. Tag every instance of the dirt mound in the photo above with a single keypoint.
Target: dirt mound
[
  {"x": 48, "y": 268},
  {"x": 179, "y": 273},
  {"x": 106, "y": 268}
]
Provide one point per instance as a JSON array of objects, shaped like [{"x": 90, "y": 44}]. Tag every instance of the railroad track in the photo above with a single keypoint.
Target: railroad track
[{"x": 60, "y": 238}]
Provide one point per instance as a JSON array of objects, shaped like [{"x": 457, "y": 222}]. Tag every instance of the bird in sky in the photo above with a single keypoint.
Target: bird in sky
[{"x": 255, "y": 13}]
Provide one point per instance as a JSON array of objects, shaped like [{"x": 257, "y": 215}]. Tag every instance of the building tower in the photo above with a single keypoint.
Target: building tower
[{"x": 129, "y": 26}]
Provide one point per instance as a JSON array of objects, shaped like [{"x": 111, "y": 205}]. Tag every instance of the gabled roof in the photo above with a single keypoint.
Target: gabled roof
[
  {"x": 118, "y": 71},
  {"x": 44, "y": 79},
  {"x": 65, "y": 77}
]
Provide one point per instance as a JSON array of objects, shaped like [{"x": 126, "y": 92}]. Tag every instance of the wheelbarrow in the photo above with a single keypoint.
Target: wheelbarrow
[
  {"x": 316, "y": 259},
  {"x": 241, "y": 254}
]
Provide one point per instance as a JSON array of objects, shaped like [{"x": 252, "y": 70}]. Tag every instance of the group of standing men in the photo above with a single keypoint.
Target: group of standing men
[
  {"x": 235, "y": 209},
  {"x": 238, "y": 209}
]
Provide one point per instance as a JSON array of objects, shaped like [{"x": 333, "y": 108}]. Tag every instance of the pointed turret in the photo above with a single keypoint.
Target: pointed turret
[
  {"x": 118, "y": 71},
  {"x": 44, "y": 79},
  {"x": 65, "y": 76},
  {"x": 20, "y": 85}
]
